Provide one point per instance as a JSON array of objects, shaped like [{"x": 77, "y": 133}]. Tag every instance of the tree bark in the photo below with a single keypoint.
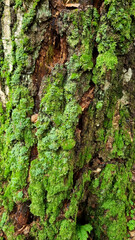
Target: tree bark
[{"x": 67, "y": 128}]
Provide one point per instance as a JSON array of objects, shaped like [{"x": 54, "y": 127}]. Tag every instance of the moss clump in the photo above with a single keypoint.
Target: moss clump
[
  {"x": 15, "y": 152},
  {"x": 29, "y": 16},
  {"x": 113, "y": 201},
  {"x": 114, "y": 36},
  {"x": 18, "y": 136}
]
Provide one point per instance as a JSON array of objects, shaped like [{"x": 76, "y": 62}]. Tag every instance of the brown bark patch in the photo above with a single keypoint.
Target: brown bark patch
[
  {"x": 22, "y": 218},
  {"x": 133, "y": 173},
  {"x": 34, "y": 152},
  {"x": 22, "y": 215},
  {"x": 87, "y": 98},
  {"x": 98, "y": 3},
  {"x": 116, "y": 117},
  {"x": 85, "y": 102},
  {"x": 53, "y": 51},
  {"x": 2, "y": 234},
  {"x": 109, "y": 143}
]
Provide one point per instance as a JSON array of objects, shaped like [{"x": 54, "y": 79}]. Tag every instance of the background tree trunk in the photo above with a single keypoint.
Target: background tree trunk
[{"x": 67, "y": 125}]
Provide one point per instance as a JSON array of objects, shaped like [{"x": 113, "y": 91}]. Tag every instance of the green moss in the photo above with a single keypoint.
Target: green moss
[
  {"x": 9, "y": 229},
  {"x": 69, "y": 144},
  {"x": 18, "y": 4},
  {"x": 113, "y": 201},
  {"x": 1, "y": 56},
  {"x": 29, "y": 16},
  {"x": 66, "y": 230},
  {"x": 83, "y": 230},
  {"x": 57, "y": 165},
  {"x": 16, "y": 146},
  {"x": 114, "y": 36},
  {"x": 99, "y": 105},
  {"x": 21, "y": 52}
]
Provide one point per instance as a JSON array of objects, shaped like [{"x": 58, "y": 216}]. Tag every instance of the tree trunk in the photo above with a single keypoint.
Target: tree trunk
[{"x": 67, "y": 128}]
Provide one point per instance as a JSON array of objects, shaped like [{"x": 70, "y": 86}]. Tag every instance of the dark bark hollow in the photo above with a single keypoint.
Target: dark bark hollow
[{"x": 67, "y": 124}]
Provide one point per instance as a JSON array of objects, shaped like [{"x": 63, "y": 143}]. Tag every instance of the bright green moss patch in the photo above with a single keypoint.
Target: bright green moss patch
[
  {"x": 113, "y": 201},
  {"x": 69, "y": 144},
  {"x": 16, "y": 146},
  {"x": 83, "y": 230},
  {"x": 67, "y": 230}
]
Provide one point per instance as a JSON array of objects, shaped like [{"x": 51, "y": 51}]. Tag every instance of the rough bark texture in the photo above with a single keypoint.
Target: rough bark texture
[{"x": 67, "y": 128}]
